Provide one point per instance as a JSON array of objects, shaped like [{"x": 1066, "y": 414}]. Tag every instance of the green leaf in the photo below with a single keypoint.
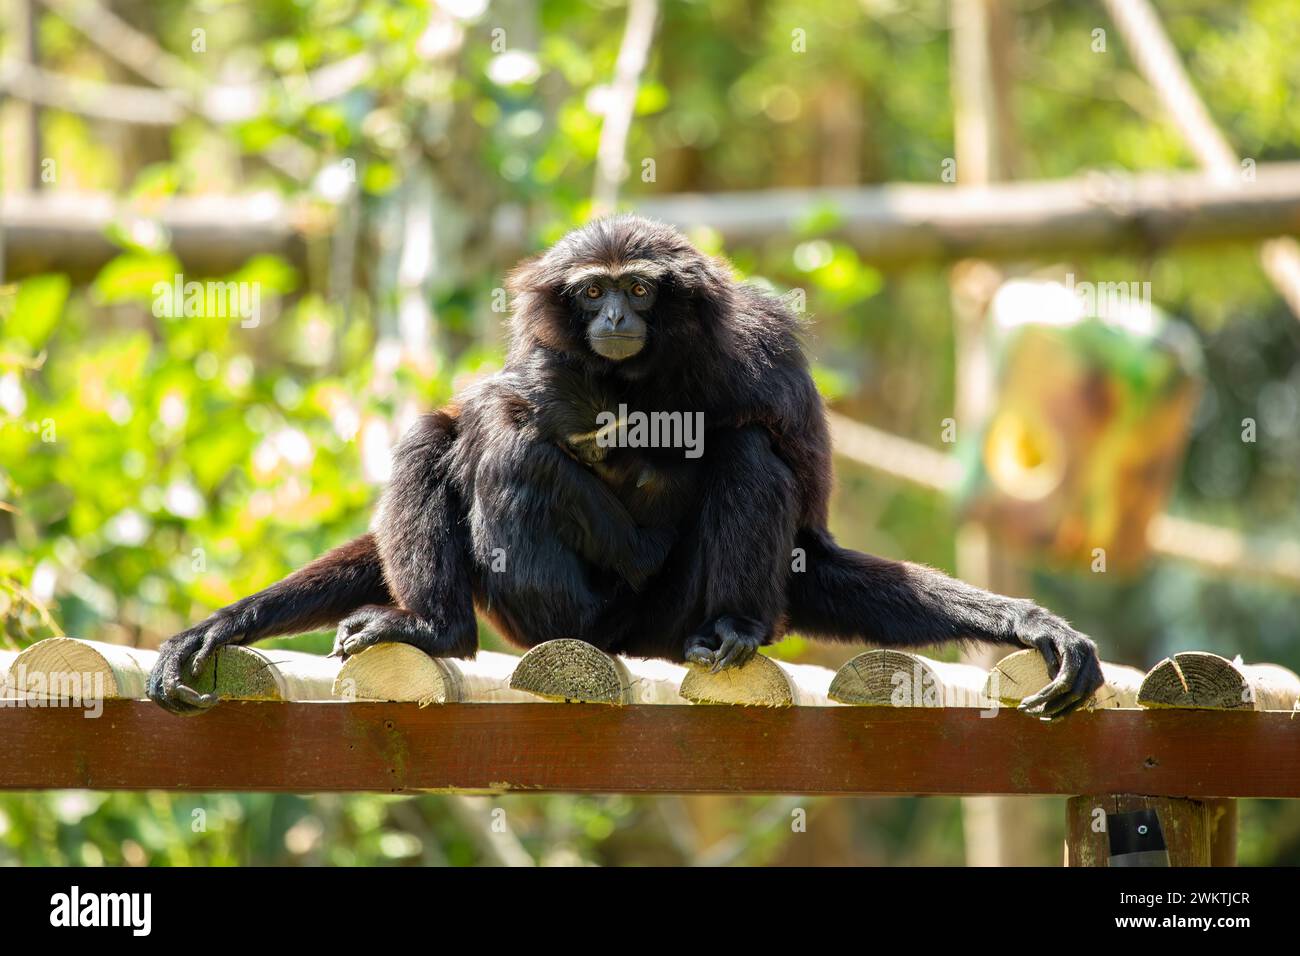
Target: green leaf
[
  {"x": 37, "y": 308},
  {"x": 131, "y": 277}
]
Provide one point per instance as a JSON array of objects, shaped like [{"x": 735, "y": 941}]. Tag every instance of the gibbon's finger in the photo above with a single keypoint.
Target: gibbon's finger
[
  {"x": 1037, "y": 703},
  {"x": 729, "y": 656},
  {"x": 1067, "y": 699},
  {"x": 699, "y": 654},
  {"x": 1076, "y": 682},
  {"x": 192, "y": 697},
  {"x": 726, "y": 649},
  {"x": 1086, "y": 682},
  {"x": 1047, "y": 647},
  {"x": 736, "y": 649},
  {"x": 200, "y": 658},
  {"x": 1064, "y": 681}
]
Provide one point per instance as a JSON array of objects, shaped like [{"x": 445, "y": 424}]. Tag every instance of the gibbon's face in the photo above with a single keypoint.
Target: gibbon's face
[
  {"x": 616, "y": 311},
  {"x": 623, "y": 295}
]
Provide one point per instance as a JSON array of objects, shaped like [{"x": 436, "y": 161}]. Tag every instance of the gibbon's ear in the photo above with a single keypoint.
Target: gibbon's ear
[
  {"x": 525, "y": 280},
  {"x": 704, "y": 287},
  {"x": 540, "y": 312}
]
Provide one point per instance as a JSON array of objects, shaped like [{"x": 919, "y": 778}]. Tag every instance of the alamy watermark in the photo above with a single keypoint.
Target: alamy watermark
[
  {"x": 75, "y": 908},
  {"x": 208, "y": 299},
  {"x": 84, "y": 691},
  {"x": 651, "y": 430},
  {"x": 1103, "y": 300}
]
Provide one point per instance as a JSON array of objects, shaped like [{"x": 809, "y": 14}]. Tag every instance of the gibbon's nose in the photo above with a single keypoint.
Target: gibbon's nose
[{"x": 614, "y": 318}]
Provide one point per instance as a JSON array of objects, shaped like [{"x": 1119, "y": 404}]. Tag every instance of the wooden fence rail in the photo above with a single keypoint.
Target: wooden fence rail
[
  {"x": 648, "y": 748},
  {"x": 894, "y": 224},
  {"x": 1176, "y": 744}
]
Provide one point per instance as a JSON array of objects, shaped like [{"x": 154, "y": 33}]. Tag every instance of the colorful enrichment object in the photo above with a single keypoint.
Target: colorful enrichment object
[{"x": 1095, "y": 393}]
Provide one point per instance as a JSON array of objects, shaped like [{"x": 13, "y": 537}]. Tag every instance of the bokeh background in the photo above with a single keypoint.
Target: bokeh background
[{"x": 197, "y": 460}]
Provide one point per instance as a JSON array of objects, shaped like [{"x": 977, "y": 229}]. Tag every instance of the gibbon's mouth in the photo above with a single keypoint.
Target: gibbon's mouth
[{"x": 617, "y": 347}]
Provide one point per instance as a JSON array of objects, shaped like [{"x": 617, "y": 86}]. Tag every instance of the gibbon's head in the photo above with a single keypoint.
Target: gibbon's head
[{"x": 621, "y": 292}]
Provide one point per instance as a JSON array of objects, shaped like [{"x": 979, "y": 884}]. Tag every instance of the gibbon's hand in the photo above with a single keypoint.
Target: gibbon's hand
[
  {"x": 1071, "y": 660},
  {"x": 181, "y": 659}
]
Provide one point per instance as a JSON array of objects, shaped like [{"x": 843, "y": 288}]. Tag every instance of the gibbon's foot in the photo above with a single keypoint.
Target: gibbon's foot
[
  {"x": 725, "y": 642},
  {"x": 366, "y": 628},
  {"x": 181, "y": 658},
  {"x": 374, "y": 624},
  {"x": 1071, "y": 660}
]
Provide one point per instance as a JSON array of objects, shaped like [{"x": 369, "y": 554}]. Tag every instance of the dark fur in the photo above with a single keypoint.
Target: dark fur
[{"x": 638, "y": 551}]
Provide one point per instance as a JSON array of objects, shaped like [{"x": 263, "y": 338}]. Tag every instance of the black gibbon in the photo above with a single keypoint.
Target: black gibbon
[{"x": 519, "y": 499}]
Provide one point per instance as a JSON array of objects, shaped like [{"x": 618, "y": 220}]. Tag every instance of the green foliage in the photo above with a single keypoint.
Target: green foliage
[{"x": 156, "y": 466}]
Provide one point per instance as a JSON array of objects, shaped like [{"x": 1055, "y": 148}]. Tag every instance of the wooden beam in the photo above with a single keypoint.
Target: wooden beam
[
  {"x": 904, "y": 223},
  {"x": 893, "y": 224},
  {"x": 211, "y": 235},
  {"x": 302, "y": 748},
  {"x": 1154, "y": 55}
]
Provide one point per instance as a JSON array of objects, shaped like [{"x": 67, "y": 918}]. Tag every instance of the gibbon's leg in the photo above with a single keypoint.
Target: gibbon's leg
[
  {"x": 849, "y": 596},
  {"x": 543, "y": 529},
  {"x": 554, "y": 495},
  {"x": 746, "y": 530},
  {"x": 425, "y": 553},
  {"x": 311, "y": 598},
  {"x": 533, "y": 504}
]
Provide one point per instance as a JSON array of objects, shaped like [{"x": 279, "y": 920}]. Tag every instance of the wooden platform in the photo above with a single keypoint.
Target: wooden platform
[{"x": 401, "y": 747}]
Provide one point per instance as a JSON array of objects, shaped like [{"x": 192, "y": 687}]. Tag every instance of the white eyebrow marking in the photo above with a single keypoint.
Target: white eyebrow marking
[
  {"x": 646, "y": 267},
  {"x": 640, "y": 267}
]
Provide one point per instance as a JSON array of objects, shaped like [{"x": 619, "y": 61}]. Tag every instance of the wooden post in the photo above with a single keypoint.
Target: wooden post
[
  {"x": 48, "y": 668},
  {"x": 890, "y": 678},
  {"x": 26, "y": 24},
  {"x": 577, "y": 672},
  {"x": 1024, "y": 673},
  {"x": 1194, "y": 832},
  {"x": 761, "y": 682},
  {"x": 400, "y": 672},
  {"x": 1210, "y": 682},
  {"x": 1223, "y": 831}
]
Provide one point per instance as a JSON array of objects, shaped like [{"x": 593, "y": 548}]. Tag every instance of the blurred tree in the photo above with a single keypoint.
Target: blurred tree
[{"x": 152, "y": 468}]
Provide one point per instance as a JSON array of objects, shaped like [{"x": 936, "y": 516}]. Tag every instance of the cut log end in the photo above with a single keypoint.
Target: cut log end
[
  {"x": 51, "y": 666},
  {"x": 891, "y": 678},
  {"x": 759, "y": 682},
  {"x": 1024, "y": 673},
  {"x": 1207, "y": 681},
  {"x": 398, "y": 672},
  {"x": 572, "y": 671},
  {"x": 239, "y": 673},
  {"x": 871, "y": 679}
]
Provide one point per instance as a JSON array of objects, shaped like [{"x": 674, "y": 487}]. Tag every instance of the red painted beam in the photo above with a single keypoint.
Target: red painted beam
[{"x": 135, "y": 745}]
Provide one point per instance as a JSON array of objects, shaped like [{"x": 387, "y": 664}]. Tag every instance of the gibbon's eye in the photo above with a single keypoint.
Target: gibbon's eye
[
  {"x": 592, "y": 291},
  {"x": 639, "y": 290}
]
